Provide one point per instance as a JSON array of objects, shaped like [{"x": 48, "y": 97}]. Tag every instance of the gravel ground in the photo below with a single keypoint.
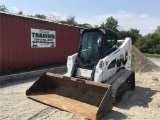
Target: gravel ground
[
  {"x": 15, "y": 105},
  {"x": 155, "y": 60},
  {"x": 143, "y": 103}
]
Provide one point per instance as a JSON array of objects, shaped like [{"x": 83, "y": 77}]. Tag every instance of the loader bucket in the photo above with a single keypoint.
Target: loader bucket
[{"x": 86, "y": 98}]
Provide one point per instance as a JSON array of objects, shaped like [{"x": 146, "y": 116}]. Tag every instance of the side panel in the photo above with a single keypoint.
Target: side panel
[
  {"x": 109, "y": 64},
  {"x": 70, "y": 63}
]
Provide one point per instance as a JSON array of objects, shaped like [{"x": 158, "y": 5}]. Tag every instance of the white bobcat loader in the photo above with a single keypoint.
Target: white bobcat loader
[{"x": 97, "y": 75}]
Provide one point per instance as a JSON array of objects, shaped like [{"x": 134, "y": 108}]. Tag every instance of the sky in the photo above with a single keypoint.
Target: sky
[{"x": 143, "y": 15}]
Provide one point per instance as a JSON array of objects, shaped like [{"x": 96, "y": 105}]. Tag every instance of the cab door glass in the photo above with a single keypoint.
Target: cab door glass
[{"x": 109, "y": 45}]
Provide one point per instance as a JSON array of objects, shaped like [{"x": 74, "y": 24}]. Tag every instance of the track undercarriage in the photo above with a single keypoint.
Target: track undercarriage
[{"x": 121, "y": 81}]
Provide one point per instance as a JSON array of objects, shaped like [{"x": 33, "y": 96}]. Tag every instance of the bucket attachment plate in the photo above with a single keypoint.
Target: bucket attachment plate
[{"x": 89, "y": 99}]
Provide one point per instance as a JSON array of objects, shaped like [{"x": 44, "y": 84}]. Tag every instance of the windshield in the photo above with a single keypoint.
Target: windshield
[{"x": 90, "y": 48}]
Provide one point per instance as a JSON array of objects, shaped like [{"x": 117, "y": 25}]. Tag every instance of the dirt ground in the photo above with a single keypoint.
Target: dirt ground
[
  {"x": 155, "y": 60},
  {"x": 143, "y": 103}
]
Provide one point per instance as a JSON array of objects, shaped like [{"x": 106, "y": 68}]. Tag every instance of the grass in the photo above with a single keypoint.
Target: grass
[
  {"x": 152, "y": 55},
  {"x": 30, "y": 69}
]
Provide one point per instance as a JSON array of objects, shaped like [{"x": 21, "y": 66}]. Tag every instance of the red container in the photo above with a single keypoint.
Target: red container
[{"x": 15, "y": 42}]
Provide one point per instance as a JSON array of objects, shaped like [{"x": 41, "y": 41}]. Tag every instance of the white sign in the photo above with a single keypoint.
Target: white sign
[{"x": 43, "y": 38}]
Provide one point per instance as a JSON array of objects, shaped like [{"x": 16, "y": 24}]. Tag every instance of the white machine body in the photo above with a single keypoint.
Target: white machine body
[{"x": 107, "y": 66}]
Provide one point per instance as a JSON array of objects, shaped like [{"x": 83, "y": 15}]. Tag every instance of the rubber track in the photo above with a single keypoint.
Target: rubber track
[{"x": 118, "y": 79}]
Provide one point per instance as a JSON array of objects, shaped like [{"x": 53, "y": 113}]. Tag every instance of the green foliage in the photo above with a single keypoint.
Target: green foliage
[
  {"x": 71, "y": 20},
  {"x": 85, "y": 25},
  {"x": 132, "y": 33},
  {"x": 3, "y": 8},
  {"x": 151, "y": 55},
  {"x": 96, "y": 26},
  {"x": 122, "y": 34},
  {"x": 158, "y": 48},
  {"x": 158, "y": 30},
  {"x": 63, "y": 22},
  {"x": 20, "y": 12},
  {"x": 149, "y": 43},
  {"x": 41, "y": 16},
  {"x": 110, "y": 23}
]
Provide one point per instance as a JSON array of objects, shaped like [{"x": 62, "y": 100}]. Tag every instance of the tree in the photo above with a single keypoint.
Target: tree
[
  {"x": 158, "y": 48},
  {"x": 96, "y": 26},
  {"x": 158, "y": 30},
  {"x": 102, "y": 25},
  {"x": 143, "y": 44},
  {"x": 20, "y": 12},
  {"x": 85, "y": 25},
  {"x": 149, "y": 43},
  {"x": 122, "y": 34},
  {"x": 3, "y": 8},
  {"x": 71, "y": 20},
  {"x": 41, "y": 16},
  {"x": 134, "y": 34},
  {"x": 110, "y": 23},
  {"x": 63, "y": 22}
]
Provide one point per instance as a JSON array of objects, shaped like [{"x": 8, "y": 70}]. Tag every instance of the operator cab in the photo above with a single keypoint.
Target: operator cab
[{"x": 95, "y": 44}]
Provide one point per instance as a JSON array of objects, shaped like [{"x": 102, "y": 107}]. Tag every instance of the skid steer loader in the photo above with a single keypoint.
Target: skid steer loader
[{"x": 97, "y": 75}]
